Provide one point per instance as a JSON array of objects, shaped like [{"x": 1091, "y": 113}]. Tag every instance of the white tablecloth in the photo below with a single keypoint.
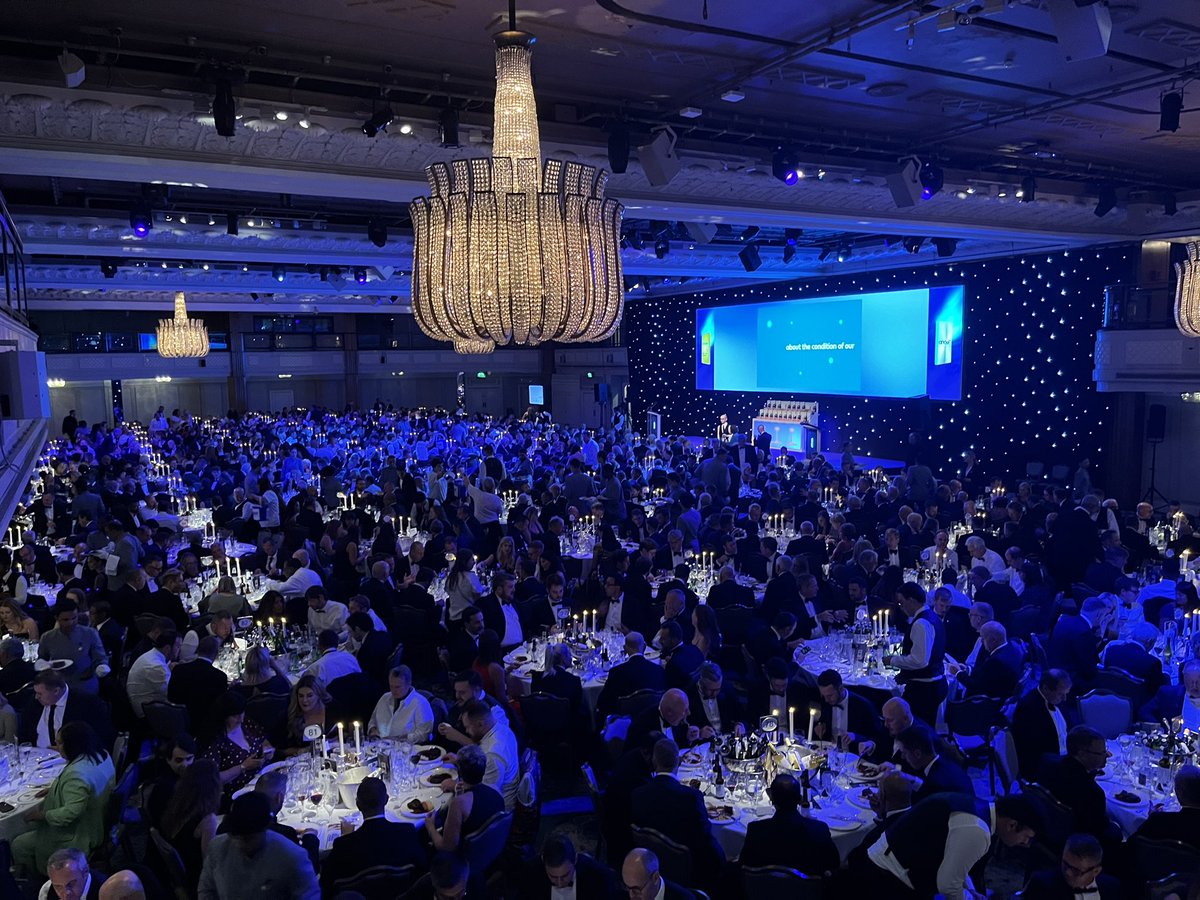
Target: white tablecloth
[
  {"x": 823, "y": 653},
  {"x": 22, "y": 792}
]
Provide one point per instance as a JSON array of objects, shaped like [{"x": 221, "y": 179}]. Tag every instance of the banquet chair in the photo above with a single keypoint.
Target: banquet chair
[
  {"x": 1108, "y": 713},
  {"x": 177, "y": 879},
  {"x": 166, "y": 720},
  {"x": 597, "y": 797},
  {"x": 378, "y": 882},
  {"x": 1004, "y": 760},
  {"x": 1154, "y": 860},
  {"x": 547, "y": 721},
  {"x": 780, "y": 883},
  {"x": 1173, "y": 885},
  {"x": 637, "y": 702},
  {"x": 355, "y": 694},
  {"x": 971, "y": 722},
  {"x": 483, "y": 847},
  {"x": 268, "y": 711},
  {"x": 119, "y": 814},
  {"x": 1058, "y": 821},
  {"x": 674, "y": 860},
  {"x": 1123, "y": 684}
]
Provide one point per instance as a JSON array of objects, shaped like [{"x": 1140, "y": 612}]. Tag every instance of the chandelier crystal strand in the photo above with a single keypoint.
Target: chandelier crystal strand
[
  {"x": 511, "y": 250},
  {"x": 1187, "y": 292},
  {"x": 181, "y": 337}
]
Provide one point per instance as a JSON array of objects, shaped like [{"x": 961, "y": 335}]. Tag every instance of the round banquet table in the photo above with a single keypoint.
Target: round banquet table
[
  {"x": 520, "y": 666},
  {"x": 21, "y": 788},
  {"x": 819, "y": 654},
  {"x": 845, "y": 811},
  {"x": 1119, "y": 778}
]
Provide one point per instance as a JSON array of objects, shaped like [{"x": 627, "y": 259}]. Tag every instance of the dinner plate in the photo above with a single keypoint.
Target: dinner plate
[
  {"x": 434, "y": 779},
  {"x": 843, "y": 823},
  {"x": 403, "y": 809},
  {"x": 28, "y": 797},
  {"x": 859, "y": 778},
  {"x": 856, "y": 797},
  {"x": 1138, "y": 802},
  {"x": 427, "y": 762}
]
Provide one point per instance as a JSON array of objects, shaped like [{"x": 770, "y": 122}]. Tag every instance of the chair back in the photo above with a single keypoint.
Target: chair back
[
  {"x": 1123, "y": 683},
  {"x": 1058, "y": 820},
  {"x": 547, "y": 719},
  {"x": 355, "y": 694},
  {"x": 1037, "y": 652},
  {"x": 735, "y": 622},
  {"x": 973, "y": 716},
  {"x": 268, "y": 711},
  {"x": 1109, "y": 714},
  {"x": 674, "y": 860},
  {"x": 145, "y": 623},
  {"x": 378, "y": 882},
  {"x": 177, "y": 878},
  {"x": 119, "y": 751},
  {"x": 166, "y": 720},
  {"x": 1005, "y": 749},
  {"x": 1158, "y": 859},
  {"x": 1172, "y": 885},
  {"x": 484, "y": 846},
  {"x": 593, "y": 786},
  {"x": 637, "y": 702},
  {"x": 780, "y": 883},
  {"x": 438, "y": 705}
]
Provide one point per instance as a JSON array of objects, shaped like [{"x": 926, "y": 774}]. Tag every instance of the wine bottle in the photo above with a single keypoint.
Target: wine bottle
[{"x": 719, "y": 781}]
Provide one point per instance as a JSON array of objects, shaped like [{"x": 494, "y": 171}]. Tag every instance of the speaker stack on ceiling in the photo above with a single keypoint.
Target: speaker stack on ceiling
[{"x": 1156, "y": 423}]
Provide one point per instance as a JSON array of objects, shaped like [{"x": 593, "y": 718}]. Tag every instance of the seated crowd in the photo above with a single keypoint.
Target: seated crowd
[{"x": 1031, "y": 604}]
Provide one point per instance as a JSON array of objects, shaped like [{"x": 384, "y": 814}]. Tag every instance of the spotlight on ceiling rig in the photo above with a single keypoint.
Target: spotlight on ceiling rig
[
  {"x": 1170, "y": 105},
  {"x": 108, "y": 268},
  {"x": 1028, "y": 192},
  {"x": 73, "y": 69},
  {"x": 1106, "y": 200},
  {"x": 785, "y": 166},
  {"x": 377, "y": 233},
  {"x": 1170, "y": 205},
  {"x": 945, "y": 246},
  {"x": 662, "y": 247},
  {"x": 141, "y": 218},
  {"x": 360, "y": 275},
  {"x": 844, "y": 251},
  {"x": 278, "y": 273},
  {"x": 224, "y": 107},
  {"x": 913, "y": 244},
  {"x": 448, "y": 125},
  {"x": 618, "y": 148},
  {"x": 789, "y": 253},
  {"x": 932, "y": 179},
  {"x": 750, "y": 257},
  {"x": 379, "y": 121}
]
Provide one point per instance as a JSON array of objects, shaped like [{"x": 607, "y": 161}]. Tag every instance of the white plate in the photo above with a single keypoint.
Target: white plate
[
  {"x": 402, "y": 809},
  {"x": 28, "y": 797},
  {"x": 856, "y": 797},
  {"x": 427, "y": 762},
  {"x": 425, "y": 782},
  {"x": 1128, "y": 803},
  {"x": 843, "y": 823}
]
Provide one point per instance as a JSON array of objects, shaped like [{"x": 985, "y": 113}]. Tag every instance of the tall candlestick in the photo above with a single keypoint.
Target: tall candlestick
[
  {"x": 595, "y": 621},
  {"x": 812, "y": 720},
  {"x": 791, "y": 723},
  {"x": 358, "y": 740},
  {"x": 341, "y": 739}
]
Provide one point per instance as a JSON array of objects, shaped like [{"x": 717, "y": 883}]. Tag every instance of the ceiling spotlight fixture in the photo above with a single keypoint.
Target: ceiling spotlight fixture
[
  {"x": 785, "y": 166},
  {"x": 1170, "y": 205},
  {"x": 254, "y": 296},
  {"x": 662, "y": 247},
  {"x": 932, "y": 179},
  {"x": 791, "y": 235},
  {"x": 406, "y": 128},
  {"x": 734, "y": 95},
  {"x": 1170, "y": 105},
  {"x": 108, "y": 268},
  {"x": 750, "y": 233},
  {"x": 73, "y": 69},
  {"x": 377, "y": 233},
  {"x": 278, "y": 273},
  {"x": 618, "y": 148},
  {"x": 379, "y": 121},
  {"x": 224, "y": 107},
  {"x": 789, "y": 253},
  {"x": 913, "y": 244},
  {"x": 212, "y": 220},
  {"x": 691, "y": 112},
  {"x": 826, "y": 252},
  {"x": 448, "y": 126},
  {"x": 945, "y": 246},
  {"x": 750, "y": 257},
  {"x": 281, "y": 115},
  {"x": 360, "y": 275},
  {"x": 204, "y": 266},
  {"x": 1028, "y": 192},
  {"x": 844, "y": 251},
  {"x": 231, "y": 223},
  {"x": 141, "y": 218},
  {"x": 1106, "y": 200},
  {"x": 304, "y": 121}
]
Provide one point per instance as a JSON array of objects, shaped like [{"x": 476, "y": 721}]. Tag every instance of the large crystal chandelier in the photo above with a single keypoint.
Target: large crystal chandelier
[
  {"x": 182, "y": 337},
  {"x": 507, "y": 250},
  {"x": 1187, "y": 292}
]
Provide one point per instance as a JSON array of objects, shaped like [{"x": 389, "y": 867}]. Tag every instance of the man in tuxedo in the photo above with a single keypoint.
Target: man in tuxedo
[
  {"x": 808, "y": 545},
  {"x": 1039, "y": 726},
  {"x": 379, "y": 590},
  {"x": 1071, "y": 778},
  {"x": 1000, "y": 670},
  {"x": 677, "y": 811},
  {"x": 670, "y": 717},
  {"x": 69, "y": 876},
  {"x": 777, "y": 691},
  {"x": 197, "y": 683},
  {"x": 680, "y": 660},
  {"x": 1183, "y": 825},
  {"x": 675, "y": 609},
  {"x": 16, "y": 671},
  {"x": 938, "y": 774},
  {"x": 844, "y": 717},
  {"x": 464, "y": 644},
  {"x": 1133, "y": 656},
  {"x": 715, "y": 709},
  {"x": 640, "y": 873},
  {"x": 892, "y": 553},
  {"x": 373, "y": 648},
  {"x": 635, "y": 674},
  {"x": 672, "y": 557},
  {"x": 961, "y": 636},
  {"x": 789, "y": 838},
  {"x": 727, "y": 591},
  {"x": 566, "y": 873},
  {"x": 782, "y": 592},
  {"x": 1074, "y": 641},
  {"x": 55, "y": 704},
  {"x": 777, "y": 640},
  {"x": 1078, "y": 877},
  {"x": 377, "y": 845},
  {"x": 528, "y": 586},
  {"x": 762, "y": 442},
  {"x": 267, "y": 559}
]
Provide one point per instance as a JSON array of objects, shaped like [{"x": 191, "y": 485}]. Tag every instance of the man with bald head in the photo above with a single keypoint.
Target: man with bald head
[
  {"x": 891, "y": 797},
  {"x": 124, "y": 885},
  {"x": 670, "y": 717},
  {"x": 635, "y": 674},
  {"x": 643, "y": 880},
  {"x": 997, "y": 675}
]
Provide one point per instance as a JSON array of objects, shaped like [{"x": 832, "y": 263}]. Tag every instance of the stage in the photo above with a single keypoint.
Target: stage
[{"x": 835, "y": 459}]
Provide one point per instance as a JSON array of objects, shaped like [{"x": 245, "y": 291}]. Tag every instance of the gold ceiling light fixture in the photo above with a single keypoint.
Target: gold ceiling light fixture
[
  {"x": 181, "y": 337},
  {"x": 508, "y": 250},
  {"x": 1187, "y": 292}
]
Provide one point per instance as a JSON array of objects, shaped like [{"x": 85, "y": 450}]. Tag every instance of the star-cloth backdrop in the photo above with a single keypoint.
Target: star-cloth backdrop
[{"x": 1029, "y": 337}]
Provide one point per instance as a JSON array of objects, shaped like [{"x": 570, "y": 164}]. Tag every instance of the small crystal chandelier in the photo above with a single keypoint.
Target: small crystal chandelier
[
  {"x": 1187, "y": 292},
  {"x": 181, "y": 337},
  {"x": 508, "y": 251}
]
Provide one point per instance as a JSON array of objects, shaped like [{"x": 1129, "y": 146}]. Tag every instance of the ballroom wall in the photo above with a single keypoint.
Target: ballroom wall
[{"x": 1028, "y": 393}]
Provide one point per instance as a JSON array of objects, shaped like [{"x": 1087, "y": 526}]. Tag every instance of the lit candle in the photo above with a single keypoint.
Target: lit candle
[
  {"x": 341, "y": 739},
  {"x": 812, "y": 720},
  {"x": 238, "y": 560},
  {"x": 358, "y": 739},
  {"x": 791, "y": 723},
  {"x": 595, "y": 621}
]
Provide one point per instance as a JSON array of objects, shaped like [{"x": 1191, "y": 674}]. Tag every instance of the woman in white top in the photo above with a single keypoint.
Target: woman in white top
[{"x": 462, "y": 586}]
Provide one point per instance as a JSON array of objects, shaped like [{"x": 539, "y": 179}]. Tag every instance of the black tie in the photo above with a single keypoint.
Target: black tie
[
  {"x": 50, "y": 723},
  {"x": 396, "y": 704}
]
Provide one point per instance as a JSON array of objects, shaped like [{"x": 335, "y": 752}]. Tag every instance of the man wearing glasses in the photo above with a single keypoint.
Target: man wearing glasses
[
  {"x": 643, "y": 881},
  {"x": 1078, "y": 876},
  {"x": 1072, "y": 780}
]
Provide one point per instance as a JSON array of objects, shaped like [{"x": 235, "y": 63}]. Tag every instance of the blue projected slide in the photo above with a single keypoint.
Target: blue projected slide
[{"x": 895, "y": 344}]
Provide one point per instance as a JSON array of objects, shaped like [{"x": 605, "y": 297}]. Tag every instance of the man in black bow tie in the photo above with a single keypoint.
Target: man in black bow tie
[{"x": 1078, "y": 876}]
